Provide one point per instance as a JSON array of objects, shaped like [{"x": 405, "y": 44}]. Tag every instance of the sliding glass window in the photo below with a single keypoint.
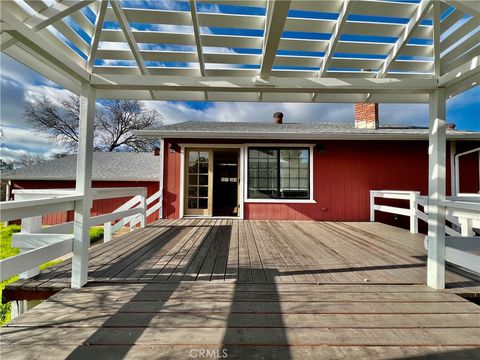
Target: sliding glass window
[{"x": 278, "y": 173}]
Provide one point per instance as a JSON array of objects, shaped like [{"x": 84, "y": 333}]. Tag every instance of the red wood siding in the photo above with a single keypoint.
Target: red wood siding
[
  {"x": 99, "y": 206},
  {"x": 343, "y": 178},
  {"x": 469, "y": 172},
  {"x": 171, "y": 187}
]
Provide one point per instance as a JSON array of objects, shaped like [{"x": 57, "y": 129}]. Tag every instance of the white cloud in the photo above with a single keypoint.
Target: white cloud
[{"x": 174, "y": 112}]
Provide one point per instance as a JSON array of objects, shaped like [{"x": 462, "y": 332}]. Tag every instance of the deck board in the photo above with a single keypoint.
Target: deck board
[
  {"x": 247, "y": 320},
  {"x": 226, "y": 250},
  {"x": 257, "y": 289}
]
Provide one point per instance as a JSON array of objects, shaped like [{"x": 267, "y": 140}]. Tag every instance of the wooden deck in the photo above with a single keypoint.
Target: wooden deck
[
  {"x": 223, "y": 250},
  {"x": 250, "y": 289}
]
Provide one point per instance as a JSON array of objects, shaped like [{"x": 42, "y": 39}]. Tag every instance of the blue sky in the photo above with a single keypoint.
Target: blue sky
[{"x": 19, "y": 84}]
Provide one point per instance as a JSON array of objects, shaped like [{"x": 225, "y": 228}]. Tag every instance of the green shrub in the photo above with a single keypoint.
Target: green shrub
[
  {"x": 6, "y": 250},
  {"x": 96, "y": 233}
]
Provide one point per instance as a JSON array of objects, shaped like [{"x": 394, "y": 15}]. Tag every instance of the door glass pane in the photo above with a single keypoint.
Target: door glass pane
[
  {"x": 197, "y": 178},
  {"x": 203, "y": 180},
  {"x": 203, "y": 203}
]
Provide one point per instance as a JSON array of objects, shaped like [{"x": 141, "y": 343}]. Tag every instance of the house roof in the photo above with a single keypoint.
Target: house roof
[
  {"x": 300, "y": 131},
  {"x": 107, "y": 166}
]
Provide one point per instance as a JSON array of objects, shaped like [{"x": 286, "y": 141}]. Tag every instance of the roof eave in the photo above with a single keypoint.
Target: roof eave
[{"x": 294, "y": 136}]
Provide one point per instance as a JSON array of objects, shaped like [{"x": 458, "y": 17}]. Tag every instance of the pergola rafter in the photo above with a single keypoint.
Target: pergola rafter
[
  {"x": 132, "y": 42},
  {"x": 341, "y": 21},
  {"x": 198, "y": 38},
  {"x": 407, "y": 33},
  {"x": 96, "y": 35},
  {"x": 275, "y": 52},
  {"x": 468, "y": 7},
  {"x": 55, "y": 13},
  {"x": 275, "y": 18}
]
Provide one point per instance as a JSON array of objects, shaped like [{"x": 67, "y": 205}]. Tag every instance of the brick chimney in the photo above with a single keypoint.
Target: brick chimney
[{"x": 366, "y": 116}]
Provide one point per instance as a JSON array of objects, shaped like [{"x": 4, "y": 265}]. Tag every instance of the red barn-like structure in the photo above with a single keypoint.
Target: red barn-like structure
[{"x": 110, "y": 170}]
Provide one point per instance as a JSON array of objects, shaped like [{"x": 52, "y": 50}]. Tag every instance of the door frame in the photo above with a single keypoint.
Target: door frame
[{"x": 241, "y": 177}]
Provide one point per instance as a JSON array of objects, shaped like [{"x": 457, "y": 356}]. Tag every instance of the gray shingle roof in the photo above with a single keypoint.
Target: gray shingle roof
[
  {"x": 107, "y": 166},
  {"x": 259, "y": 130}
]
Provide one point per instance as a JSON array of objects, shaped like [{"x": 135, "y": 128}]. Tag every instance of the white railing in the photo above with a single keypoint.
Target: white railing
[
  {"x": 461, "y": 212},
  {"x": 133, "y": 220},
  {"x": 411, "y": 196},
  {"x": 39, "y": 245}
]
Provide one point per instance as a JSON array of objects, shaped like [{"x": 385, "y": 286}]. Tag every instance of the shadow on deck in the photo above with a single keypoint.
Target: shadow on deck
[
  {"x": 253, "y": 252},
  {"x": 209, "y": 288}
]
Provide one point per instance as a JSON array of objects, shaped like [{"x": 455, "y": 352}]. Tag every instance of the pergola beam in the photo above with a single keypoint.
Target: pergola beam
[
  {"x": 337, "y": 32},
  {"x": 402, "y": 41},
  {"x": 242, "y": 84},
  {"x": 54, "y": 13},
  {"x": 44, "y": 48},
  {"x": 96, "y": 35},
  {"x": 198, "y": 38},
  {"x": 277, "y": 12}
]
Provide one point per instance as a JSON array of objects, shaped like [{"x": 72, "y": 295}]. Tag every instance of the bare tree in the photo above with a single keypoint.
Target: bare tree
[
  {"x": 115, "y": 122},
  {"x": 28, "y": 160},
  {"x": 59, "y": 122},
  {"x": 120, "y": 118}
]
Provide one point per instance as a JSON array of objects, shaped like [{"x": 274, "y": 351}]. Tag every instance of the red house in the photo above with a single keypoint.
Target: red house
[
  {"x": 110, "y": 169},
  {"x": 300, "y": 170}
]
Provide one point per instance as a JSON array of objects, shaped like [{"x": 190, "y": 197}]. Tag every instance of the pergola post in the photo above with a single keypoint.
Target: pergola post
[
  {"x": 436, "y": 190},
  {"x": 83, "y": 186}
]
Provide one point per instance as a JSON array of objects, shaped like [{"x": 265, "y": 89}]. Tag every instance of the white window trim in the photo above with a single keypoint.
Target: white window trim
[{"x": 310, "y": 200}]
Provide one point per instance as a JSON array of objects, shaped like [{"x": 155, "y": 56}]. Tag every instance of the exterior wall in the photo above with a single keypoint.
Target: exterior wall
[
  {"x": 469, "y": 170},
  {"x": 343, "y": 177},
  {"x": 99, "y": 206}
]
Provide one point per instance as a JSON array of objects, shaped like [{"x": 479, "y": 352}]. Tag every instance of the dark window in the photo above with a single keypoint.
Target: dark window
[{"x": 278, "y": 173}]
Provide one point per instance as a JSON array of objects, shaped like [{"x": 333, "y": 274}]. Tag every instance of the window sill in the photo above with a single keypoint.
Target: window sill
[{"x": 281, "y": 201}]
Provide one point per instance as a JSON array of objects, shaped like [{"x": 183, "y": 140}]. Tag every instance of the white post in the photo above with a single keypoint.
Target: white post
[
  {"x": 436, "y": 191},
  {"x": 413, "y": 212},
  {"x": 466, "y": 226},
  {"x": 31, "y": 225},
  {"x": 143, "y": 205},
  {"x": 160, "y": 186},
  {"x": 372, "y": 206},
  {"x": 81, "y": 238},
  {"x": 107, "y": 231}
]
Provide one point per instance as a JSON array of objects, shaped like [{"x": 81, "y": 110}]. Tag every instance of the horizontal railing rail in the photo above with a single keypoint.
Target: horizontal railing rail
[
  {"x": 39, "y": 245},
  {"x": 136, "y": 219},
  {"x": 462, "y": 246}
]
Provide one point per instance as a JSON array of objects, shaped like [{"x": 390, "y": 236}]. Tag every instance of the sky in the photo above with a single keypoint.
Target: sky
[{"x": 20, "y": 84}]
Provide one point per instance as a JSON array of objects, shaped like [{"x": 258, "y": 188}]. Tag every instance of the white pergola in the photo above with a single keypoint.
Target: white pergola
[{"x": 263, "y": 51}]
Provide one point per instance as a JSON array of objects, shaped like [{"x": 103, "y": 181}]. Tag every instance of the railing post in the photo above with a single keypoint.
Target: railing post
[
  {"x": 143, "y": 205},
  {"x": 413, "y": 212},
  {"x": 32, "y": 225},
  {"x": 436, "y": 190},
  {"x": 372, "y": 205},
  {"x": 107, "y": 231},
  {"x": 81, "y": 237},
  {"x": 466, "y": 226}
]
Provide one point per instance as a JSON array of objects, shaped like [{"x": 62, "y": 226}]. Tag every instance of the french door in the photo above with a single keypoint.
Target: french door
[{"x": 198, "y": 182}]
